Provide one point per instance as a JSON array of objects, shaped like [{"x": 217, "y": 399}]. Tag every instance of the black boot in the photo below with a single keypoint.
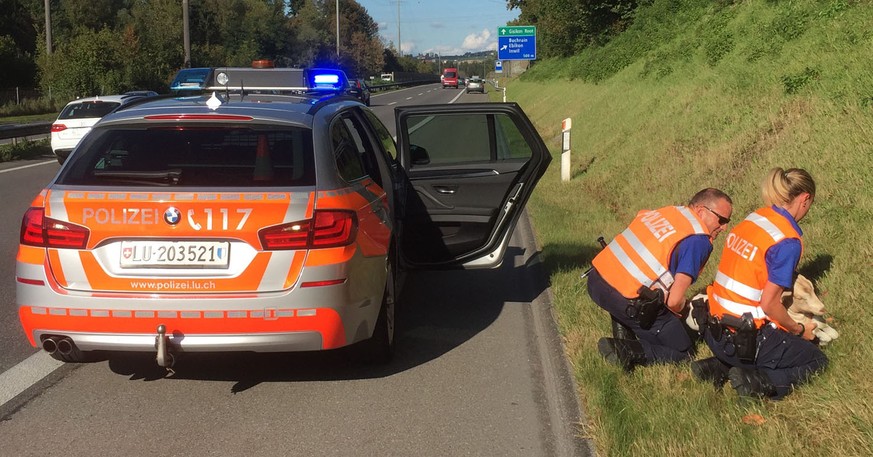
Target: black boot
[
  {"x": 624, "y": 353},
  {"x": 621, "y": 331},
  {"x": 749, "y": 382},
  {"x": 710, "y": 370}
]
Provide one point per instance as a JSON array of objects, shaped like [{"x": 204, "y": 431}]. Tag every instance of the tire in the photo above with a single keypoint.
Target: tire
[{"x": 379, "y": 349}]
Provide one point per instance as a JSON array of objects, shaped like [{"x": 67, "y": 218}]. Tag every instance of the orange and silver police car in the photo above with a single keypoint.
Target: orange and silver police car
[{"x": 268, "y": 214}]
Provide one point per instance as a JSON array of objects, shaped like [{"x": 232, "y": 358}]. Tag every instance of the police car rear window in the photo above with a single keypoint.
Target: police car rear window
[{"x": 193, "y": 157}]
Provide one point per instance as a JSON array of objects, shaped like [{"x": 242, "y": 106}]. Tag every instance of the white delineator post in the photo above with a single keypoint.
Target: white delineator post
[{"x": 566, "y": 124}]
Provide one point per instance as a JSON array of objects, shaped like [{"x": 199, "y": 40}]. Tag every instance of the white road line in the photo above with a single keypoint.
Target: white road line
[
  {"x": 27, "y": 373},
  {"x": 28, "y": 166},
  {"x": 421, "y": 93},
  {"x": 392, "y": 103},
  {"x": 409, "y": 98}
]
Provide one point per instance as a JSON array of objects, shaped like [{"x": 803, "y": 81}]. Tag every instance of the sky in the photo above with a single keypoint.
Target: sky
[{"x": 447, "y": 27}]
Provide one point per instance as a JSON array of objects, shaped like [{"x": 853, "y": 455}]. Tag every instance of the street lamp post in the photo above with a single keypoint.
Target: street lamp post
[
  {"x": 399, "y": 45},
  {"x": 48, "y": 27},
  {"x": 186, "y": 34},
  {"x": 337, "y": 28}
]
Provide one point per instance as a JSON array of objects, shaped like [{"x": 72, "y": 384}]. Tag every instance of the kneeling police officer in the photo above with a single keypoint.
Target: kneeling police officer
[
  {"x": 758, "y": 347},
  {"x": 641, "y": 278}
]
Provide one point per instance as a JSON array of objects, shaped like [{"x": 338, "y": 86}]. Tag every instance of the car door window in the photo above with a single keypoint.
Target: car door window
[
  {"x": 385, "y": 137},
  {"x": 470, "y": 169},
  {"x": 364, "y": 147},
  {"x": 348, "y": 159},
  {"x": 464, "y": 138}
]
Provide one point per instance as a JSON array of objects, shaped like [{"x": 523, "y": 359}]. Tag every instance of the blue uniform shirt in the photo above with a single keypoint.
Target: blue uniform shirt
[
  {"x": 690, "y": 256},
  {"x": 782, "y": 257}
]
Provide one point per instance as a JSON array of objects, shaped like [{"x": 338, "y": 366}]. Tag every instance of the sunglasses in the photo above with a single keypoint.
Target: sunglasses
[{"x": 721, "y": 219}]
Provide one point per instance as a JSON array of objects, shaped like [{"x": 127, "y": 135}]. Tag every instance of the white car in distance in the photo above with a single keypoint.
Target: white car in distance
[{"x": 77, "y": 118}]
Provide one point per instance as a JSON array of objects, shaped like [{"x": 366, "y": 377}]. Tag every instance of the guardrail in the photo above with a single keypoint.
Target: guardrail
[
  {"x": 23, "y": 131},
  {"x": 397, "y": 85}
]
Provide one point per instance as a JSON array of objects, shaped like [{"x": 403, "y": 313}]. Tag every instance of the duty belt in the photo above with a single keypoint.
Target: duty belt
[{"x": 741, "y": 336}]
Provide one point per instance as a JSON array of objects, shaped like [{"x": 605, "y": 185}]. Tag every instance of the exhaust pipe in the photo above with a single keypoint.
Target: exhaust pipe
[
  {"x": 50, "y": 344},
  {"x": 66, "y": 346}
]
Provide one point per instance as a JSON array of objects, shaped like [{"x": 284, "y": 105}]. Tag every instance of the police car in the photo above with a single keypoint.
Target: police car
[{"x": 267, "y": 214}]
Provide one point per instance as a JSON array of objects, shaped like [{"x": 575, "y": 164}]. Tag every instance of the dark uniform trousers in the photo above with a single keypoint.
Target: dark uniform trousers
[
  {"x": 665, "y": 341},
  {"x": 787, "y": 360}
]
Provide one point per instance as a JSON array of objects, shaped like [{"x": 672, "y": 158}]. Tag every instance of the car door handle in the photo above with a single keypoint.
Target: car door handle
[{"x": 445, "y": 190}]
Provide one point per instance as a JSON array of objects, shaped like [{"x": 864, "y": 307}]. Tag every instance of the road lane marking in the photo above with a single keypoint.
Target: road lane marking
[
  {"x": 392, "y": 103},
  {"x": 420, "y": 94},
  {"x": 409, "y": 98},
  {"x": 28, "y": 166},
  {"x": 27, "y": 373}
]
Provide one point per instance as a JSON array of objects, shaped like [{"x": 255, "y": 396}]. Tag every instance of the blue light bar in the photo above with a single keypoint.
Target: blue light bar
[
  {"x": 326, "y": 79},
  {"x": 320, "y": 79}
]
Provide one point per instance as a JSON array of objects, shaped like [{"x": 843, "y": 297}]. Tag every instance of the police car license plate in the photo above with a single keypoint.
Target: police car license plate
[{"x": 174, "y": 254}]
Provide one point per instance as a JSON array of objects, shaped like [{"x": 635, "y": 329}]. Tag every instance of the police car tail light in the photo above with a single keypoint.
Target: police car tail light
[
  {"x": 38, "y": 230},
  {"x": 334, "y": 228},
  {"x": 58, "y": 127},
  {"x": 326, "y": 229}
]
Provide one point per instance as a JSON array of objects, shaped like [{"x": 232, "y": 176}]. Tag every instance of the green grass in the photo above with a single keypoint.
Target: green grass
[
  {"x": 25, "y": 150},
  {"x": 716, "y": 100},
  {"x": 30, "y": 110},
  {"x": 29, "y": 118}
]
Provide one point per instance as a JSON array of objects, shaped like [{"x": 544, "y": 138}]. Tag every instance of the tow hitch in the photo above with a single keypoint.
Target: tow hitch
[{"x": 162, "y": 342}]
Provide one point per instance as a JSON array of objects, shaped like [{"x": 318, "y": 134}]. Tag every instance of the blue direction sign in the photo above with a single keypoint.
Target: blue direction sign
[{"x": 517, "y": 42}]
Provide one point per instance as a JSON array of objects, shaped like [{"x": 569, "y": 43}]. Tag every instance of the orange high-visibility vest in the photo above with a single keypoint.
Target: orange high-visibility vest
[
  {"x": 640, "y": 255},
  {"x": 742, "y": 272}
]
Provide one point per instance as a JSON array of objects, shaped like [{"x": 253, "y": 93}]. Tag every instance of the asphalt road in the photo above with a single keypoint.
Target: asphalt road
[{"x": 479, "y": 371}]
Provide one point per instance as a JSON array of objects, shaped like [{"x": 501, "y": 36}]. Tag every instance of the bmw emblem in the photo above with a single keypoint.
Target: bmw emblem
[{"x": 172, "y": 216}]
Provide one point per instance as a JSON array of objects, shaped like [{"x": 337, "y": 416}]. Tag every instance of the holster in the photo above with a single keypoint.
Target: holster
[
  {"x": 646, "y": 307},
  {"x": 744, "y": 337},
  {"x": 700, "y": 313}
]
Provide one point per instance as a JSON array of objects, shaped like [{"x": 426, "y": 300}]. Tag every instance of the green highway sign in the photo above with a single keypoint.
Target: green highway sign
[
  {"x": 517, "y": 30},
  {"x": 517, "y": 42}
]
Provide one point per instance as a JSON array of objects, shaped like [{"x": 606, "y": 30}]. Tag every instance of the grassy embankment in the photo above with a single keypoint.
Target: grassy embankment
[{"x": 697, "y": 94}]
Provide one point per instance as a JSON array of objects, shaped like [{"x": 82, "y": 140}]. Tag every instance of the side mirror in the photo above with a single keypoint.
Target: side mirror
[{"x": 419, "y": 155}]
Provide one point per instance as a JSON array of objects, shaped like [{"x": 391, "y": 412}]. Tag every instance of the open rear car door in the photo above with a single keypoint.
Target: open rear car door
[{"x": 471, "y": 168}]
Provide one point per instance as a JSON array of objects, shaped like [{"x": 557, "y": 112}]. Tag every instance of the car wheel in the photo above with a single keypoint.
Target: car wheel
[{"x": 379, "y": 349}]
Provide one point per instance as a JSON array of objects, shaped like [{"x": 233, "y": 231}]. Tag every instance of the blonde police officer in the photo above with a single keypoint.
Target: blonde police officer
[{"x": 757, "y": 264}]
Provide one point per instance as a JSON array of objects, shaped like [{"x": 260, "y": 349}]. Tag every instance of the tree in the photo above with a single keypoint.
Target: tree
[
  {"x": 566, "y": 27},
  {"x": 153, "y": 48},
  {"x": 17, "y": 45},
  {"x": 314, "y": 26},
  {"x": 84, "y": 66}
]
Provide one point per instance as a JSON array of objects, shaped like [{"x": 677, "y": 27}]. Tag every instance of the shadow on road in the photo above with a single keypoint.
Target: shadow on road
[{"x": 440, "y": 311}]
